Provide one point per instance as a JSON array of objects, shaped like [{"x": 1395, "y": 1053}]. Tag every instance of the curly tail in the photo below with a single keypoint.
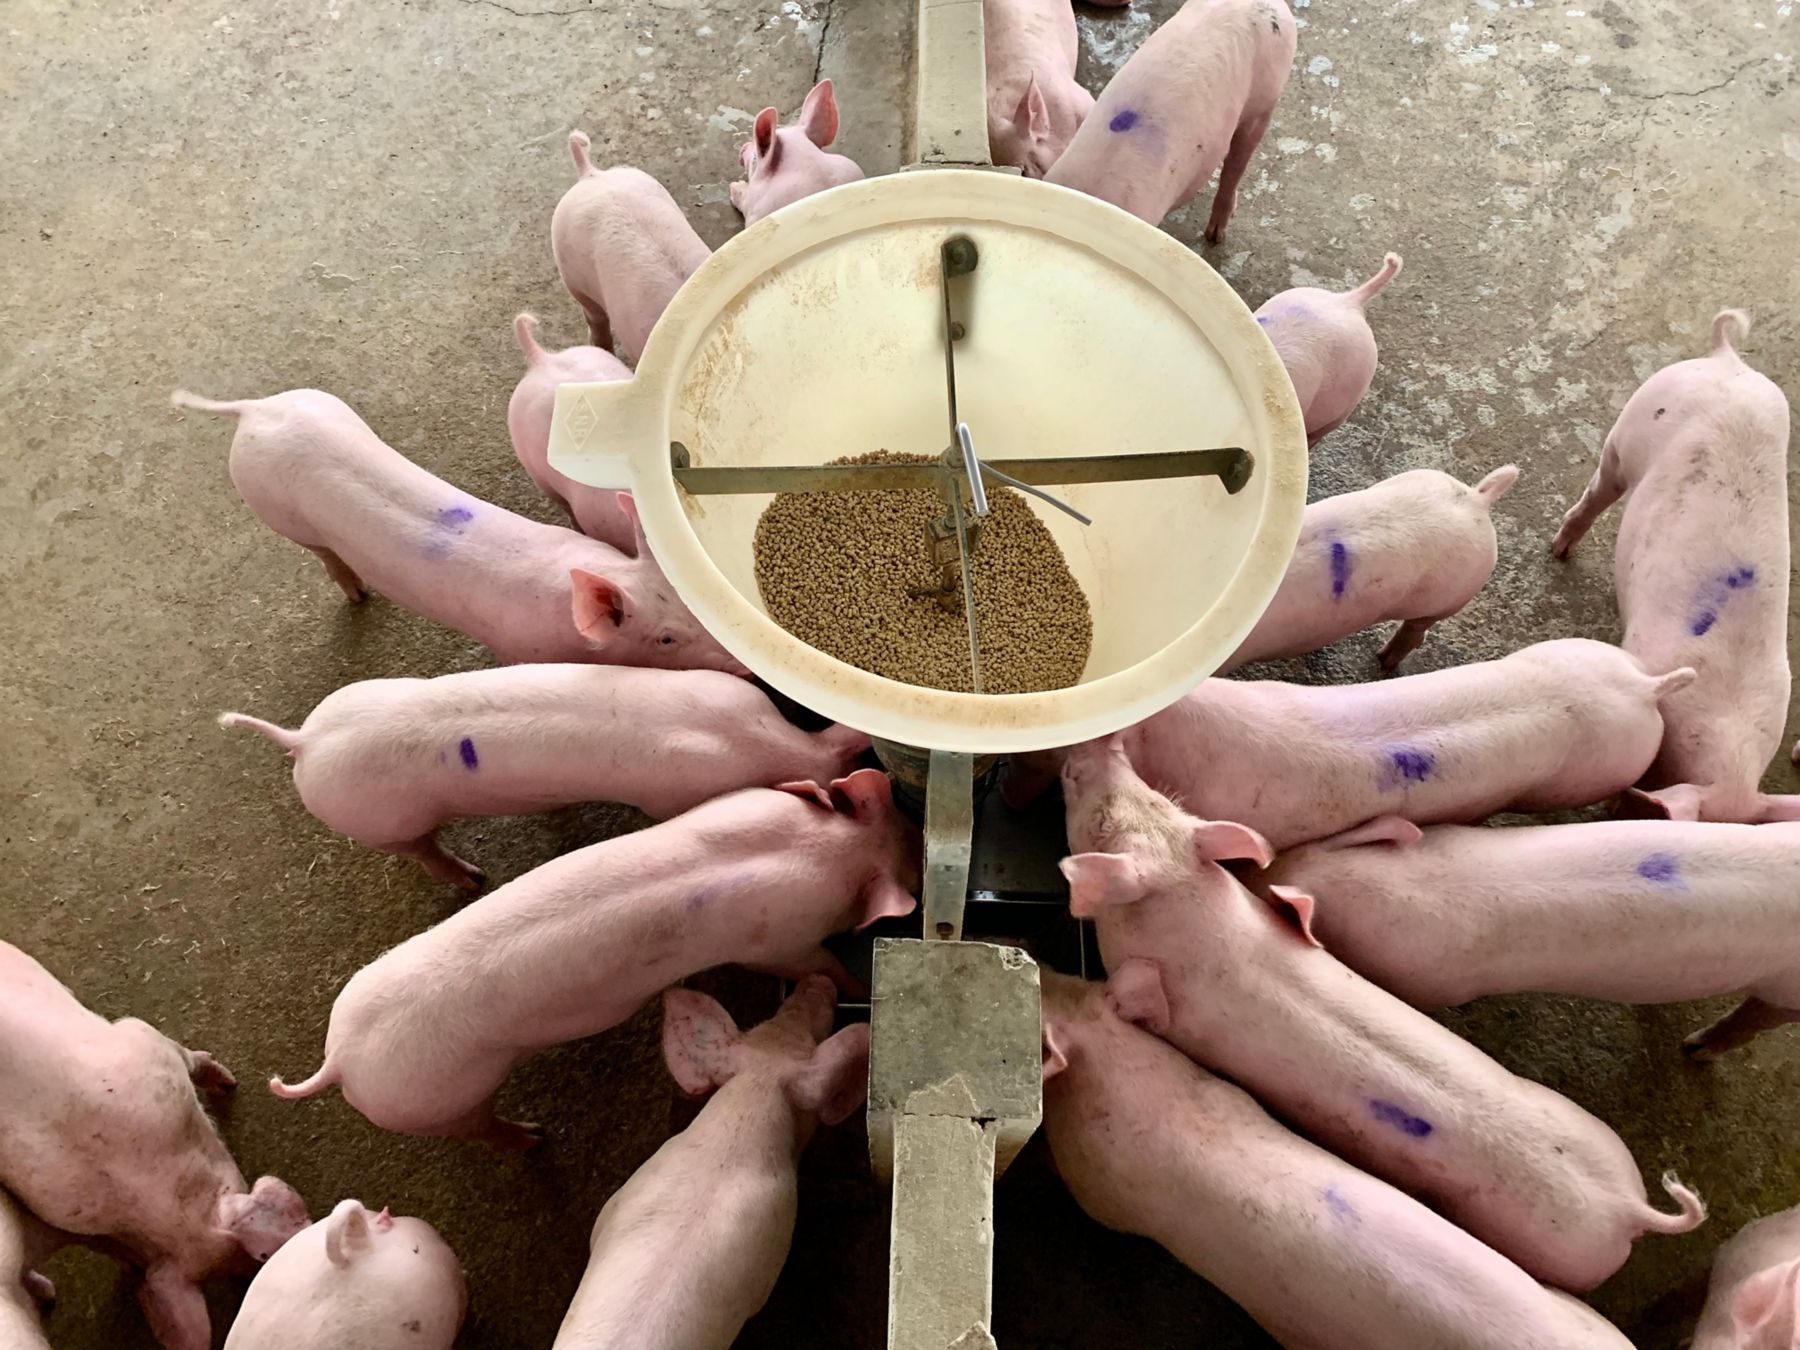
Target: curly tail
[
  {"x": 1693, "y": 1209},
  {"x": 525, "y": 331},
  {"x": 1497, "y": 484},
  {"x": 1673, "y": 682},
  {"x": 180, "y": 398},
  {"x": 578, "y": 151},
  {"x": 324, "y": 1078},
  {"x": 1730, "y": 327},
  {"x": 1390, "y": 268},
  {"x": 287, "y": 740}
]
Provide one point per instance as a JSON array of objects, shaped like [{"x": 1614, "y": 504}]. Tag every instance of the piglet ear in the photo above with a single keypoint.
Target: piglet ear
[
  {"x": 808, "y": 790},
  {"x": 1381, "y": 830},
  {"x": 762, "y": 136},
  {"x": 1765, "y": 1309},
  {"x": 598, "y": 605},
  {"x": 885, "y": 898},
  {"x": 1681, "y": 802},
  {"x": 1100, "y": 880},
  {"x": 865, "y": 794},
  {"x": 819, "y": 115},
  {"x": 1135, "y": 992},
  {"x": 628, "y": 505},
  {"x": 837, "y": 1080},
  {"x": 346, "y": 1233},
  {"x": 1032, "y": 117},
  {"x": 1296, "y": 905},
  {"x": 700, "y": 1041},
  {"x": 1054, "y": 1060},
  {"x": 1219, "y": 840}
]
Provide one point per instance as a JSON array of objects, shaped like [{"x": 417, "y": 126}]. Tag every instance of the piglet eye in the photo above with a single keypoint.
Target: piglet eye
[{"x": 667, "y": 639}]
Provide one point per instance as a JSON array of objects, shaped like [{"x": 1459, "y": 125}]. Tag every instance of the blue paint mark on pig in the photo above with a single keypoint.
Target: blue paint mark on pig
[
  {"x": 1340, "y": 568},
  {"x": 1123, "y": 121},
  {"x": 1713, "y": 596},
  {"x": 1389, "y": 1114},
  {"x": 1407, "y": 764},
  {"x": 1660, "y": 868},
  {"x": 467, "y": 751},
  {"x": 453, "y": 518},
  {"x": 1339, "y": 1206}
]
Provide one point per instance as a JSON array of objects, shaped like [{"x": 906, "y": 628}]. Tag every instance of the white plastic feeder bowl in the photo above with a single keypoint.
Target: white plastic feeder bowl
[{"x": 817, "y": 333}]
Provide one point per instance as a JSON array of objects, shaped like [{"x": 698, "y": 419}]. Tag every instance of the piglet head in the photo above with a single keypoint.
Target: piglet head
[
  {"x": 784, "y": 164},
  {"x": 821, "y": 1075},
  {"x": 629, "y": 611},
  {"x": 1132, "y": 841},
  {"x": 1025, "y": 138},
  {"x": 867, "y": 796},
  {"x": 260, "y": 1221}
]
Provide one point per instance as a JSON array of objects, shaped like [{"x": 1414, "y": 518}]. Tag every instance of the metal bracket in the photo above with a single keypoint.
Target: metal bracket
[{"x": 949, "y": 831}]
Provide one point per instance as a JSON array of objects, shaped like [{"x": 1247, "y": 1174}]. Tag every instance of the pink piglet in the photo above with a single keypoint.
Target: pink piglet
[{"x": 1324, "y": 340}]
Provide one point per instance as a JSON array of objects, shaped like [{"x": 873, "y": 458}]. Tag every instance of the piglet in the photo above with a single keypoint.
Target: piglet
[
  {"x": 24, "y": 1242},
  {"x": 103, "y": 1137},
  {"x": 421, "y": 1039},
  {"x": 1636, "y": 911},
  {"x": 1415, "y": 547},
  {"x": 1555, "y": 725},
  {"x": 1323, "y": 339},
  {"x": 689, "y": 1248},
  {"x": 355, "y": 1281},
  {"x": 1319, "y": 1253},
  {"x": 388, "y": 761},
  {"x": 596, "y": 512},
  {"x": 623, "y": 249},
  {"x": 1196, "y": 958},
  {"x": 1197, "y": 96},
  {"x": 315, "y": 473},
  {"x": 783, "y": 164},
  {"x": 1034, "y": 103},
  {"x": 1753, "y": 1300},
  {"x": 1702, "y": 570}
]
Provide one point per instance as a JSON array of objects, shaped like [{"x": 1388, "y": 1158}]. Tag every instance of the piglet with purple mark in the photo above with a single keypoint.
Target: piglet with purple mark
[
  {"x": 1239, "y": 983},
  {"x": 1632, "y": 911}
]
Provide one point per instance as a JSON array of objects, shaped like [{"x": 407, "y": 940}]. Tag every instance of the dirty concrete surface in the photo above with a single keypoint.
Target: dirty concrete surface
[{"x": 242, "y": 197}]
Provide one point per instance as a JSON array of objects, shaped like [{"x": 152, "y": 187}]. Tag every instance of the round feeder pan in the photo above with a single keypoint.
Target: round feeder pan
[{"x": 819, "y": 333}]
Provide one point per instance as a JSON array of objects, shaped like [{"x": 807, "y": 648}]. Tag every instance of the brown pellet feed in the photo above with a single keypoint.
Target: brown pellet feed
[{"x": 836, "y": 569}]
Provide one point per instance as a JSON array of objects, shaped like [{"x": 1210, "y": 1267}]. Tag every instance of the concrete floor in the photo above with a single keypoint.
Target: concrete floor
[{"x": 242, "y": 197}]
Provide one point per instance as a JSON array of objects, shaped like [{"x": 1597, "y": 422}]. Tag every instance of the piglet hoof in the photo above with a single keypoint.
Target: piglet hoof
[
  {"x": 41, "y": 1290},
  {"x": 514, "y": 1136},
  {"x": 208, "y": 1074},
  {"x": 1699, "y": 1049}
]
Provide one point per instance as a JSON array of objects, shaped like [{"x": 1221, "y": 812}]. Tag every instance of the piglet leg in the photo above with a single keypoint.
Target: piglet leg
[
  {"x": 1243, "y": 146},
  {"x": 440, "y": 862},
  {"x": 176, "y": 1309},
  {"x": 1603, "y": 489},
  {"x": 340, "y": 572},
  {"x": 1404, "y": 642},
  {"x": 1737, "y": 1027},
  {"x": 817, "y": 962}
]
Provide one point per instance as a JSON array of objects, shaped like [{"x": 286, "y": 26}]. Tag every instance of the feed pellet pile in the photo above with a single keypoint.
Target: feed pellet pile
[{"x": 844, "y": 572}]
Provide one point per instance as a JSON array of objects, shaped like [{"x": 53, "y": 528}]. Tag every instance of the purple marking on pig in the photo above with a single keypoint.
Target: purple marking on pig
[
  {"x": 1339, "y": 1206},
  {"x": 1389, "y": 1114},
  {"x": 1340, "y": 568},
  {"x": 1714, "y": 595},
  {"x": 1660, "y": 868},
  {"x": 1407, "y": 764},
  {"x": 467, "y": 751},
  {"x": 453, "y": 518},
  {"x": 1263, "y": 319},
  {"x": 1123, "y": 121}
]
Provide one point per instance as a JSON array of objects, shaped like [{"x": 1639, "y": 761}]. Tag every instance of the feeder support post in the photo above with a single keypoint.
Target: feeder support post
[
  {"x": 955, "y": 1090},
  {"x": 950, "y": 89}
]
